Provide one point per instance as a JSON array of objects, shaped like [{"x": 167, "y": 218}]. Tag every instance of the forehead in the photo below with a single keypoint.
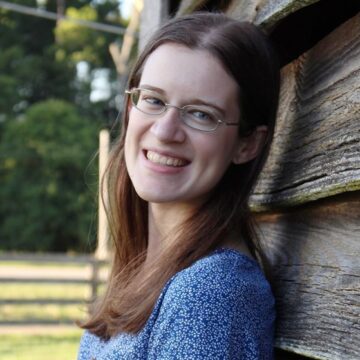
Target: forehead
[{"x": 177, "y": 69}]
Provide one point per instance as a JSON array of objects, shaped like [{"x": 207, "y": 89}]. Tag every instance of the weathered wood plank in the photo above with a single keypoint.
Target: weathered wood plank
[
  {"x": 153, "y": 14},
  {"x": 287, "y": 355},
  {"x": 315, "y": 254},
  {"x": 315, "y": 152},
  {"x": 266, "y": 13},
  {"x": 189, "y": 6}
]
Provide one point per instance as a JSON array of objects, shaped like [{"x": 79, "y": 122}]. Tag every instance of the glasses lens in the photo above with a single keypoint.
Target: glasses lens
[
  {"x": 195, "y": 116},
  {"x": 200, "y": 118},
  {"x": 147, "y": 101},
  {"x": 135, "y": 95}
]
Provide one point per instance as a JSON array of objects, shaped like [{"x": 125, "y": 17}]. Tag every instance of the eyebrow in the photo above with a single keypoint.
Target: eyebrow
[
  {"x": 152, "y": 88},
  {"x": 191, "y": 102}
]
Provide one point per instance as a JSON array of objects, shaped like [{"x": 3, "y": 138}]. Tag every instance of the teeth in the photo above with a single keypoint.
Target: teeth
[{"x": 164, "y": 160}]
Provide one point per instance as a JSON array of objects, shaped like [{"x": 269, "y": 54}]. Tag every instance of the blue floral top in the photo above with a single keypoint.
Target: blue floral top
[{"x": 221, "y": 307}]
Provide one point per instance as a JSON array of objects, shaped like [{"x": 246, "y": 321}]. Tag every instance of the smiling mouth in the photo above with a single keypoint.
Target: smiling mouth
[{"x": 157, "y": 158}]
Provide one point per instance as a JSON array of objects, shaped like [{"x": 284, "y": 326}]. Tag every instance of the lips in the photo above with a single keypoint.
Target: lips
[{"x": 166, "y": 160}]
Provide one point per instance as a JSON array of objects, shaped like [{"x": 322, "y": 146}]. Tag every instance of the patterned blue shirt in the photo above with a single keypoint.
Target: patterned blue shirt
[{"x": 221, "y": 307}]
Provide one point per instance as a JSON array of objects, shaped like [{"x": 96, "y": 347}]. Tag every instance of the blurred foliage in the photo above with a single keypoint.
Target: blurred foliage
[
  {"x": 45, "y": 201},
  {"x": 79, "y": 43},
  {"x": 49, "y": 126},
  {"x": 38, "y": 60}
]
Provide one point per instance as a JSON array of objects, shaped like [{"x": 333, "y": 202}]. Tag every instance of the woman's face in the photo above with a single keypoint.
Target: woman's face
[{"x": 167, "y": 161}]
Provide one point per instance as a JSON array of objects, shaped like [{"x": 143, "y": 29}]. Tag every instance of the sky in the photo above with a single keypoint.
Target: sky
[
  {"x": 100, "y": 84},
  {"x": 126, "y": 6}
]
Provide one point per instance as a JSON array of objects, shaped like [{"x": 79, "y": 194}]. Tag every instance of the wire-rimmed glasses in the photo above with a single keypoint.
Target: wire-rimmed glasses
[{"x": 199, "y": 117}]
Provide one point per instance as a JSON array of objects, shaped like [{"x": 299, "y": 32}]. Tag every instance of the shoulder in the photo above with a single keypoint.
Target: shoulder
[
  {"x": 221, "y": 307},
  {"x": 225, "y": 287},
  {"x": 225, "y": 275}
]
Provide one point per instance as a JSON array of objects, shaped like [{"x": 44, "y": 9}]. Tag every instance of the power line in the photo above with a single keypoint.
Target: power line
[{"x": 53, "y": 16}]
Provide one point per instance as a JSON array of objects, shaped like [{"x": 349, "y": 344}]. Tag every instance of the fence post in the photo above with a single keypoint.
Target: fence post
[
  {"x": 101, "y": 252},
  {"x": 95, "y": 265}
]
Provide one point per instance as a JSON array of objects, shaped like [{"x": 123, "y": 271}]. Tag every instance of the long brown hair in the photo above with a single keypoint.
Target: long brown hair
[{"x": 132, "y": 289}]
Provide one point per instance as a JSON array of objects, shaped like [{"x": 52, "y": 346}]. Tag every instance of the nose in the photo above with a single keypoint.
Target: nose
[{"x": 167, "y": 127}]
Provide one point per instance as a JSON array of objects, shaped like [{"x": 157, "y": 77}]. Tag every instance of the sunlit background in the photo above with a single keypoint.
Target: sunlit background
[
  {"x": 63, "y": 68},
  {"x": 62, "y": 81}
]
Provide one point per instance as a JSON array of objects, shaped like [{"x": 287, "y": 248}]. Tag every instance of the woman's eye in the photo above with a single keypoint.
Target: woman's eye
[
  {"x": 201, "y": 116},
  {"x": 150, "y": 100}
]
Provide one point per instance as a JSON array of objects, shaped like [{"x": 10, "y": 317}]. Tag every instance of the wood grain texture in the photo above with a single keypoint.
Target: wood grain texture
[
  {"x": 189, "y": 6},
  {"x": 153, "y": 14},
  {"x": 315, "y": 153},
  {"x": 315, "y": 255},
  {"x": 267, "y": 13}
]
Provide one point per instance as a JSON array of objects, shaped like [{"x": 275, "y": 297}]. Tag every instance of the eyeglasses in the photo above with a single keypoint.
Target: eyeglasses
[{"x": 199, "y": 117}]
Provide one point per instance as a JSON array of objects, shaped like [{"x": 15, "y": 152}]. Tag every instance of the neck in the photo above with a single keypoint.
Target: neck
[{"x": 163, "y": 221}]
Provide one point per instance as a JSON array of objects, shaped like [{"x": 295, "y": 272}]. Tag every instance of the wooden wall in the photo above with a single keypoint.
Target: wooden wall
[{"x": 307, "y": 200}]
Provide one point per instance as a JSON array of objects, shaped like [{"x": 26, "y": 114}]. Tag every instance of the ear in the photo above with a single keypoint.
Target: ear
[{"x": 249, "y": 147}]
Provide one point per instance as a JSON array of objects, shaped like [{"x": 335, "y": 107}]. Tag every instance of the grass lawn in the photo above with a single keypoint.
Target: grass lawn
[
  {"x": 48, "y": 264},
  {"x": 44, "y": 291},
  {"x": 59, "y": 313},
  {"x": 48, "y": 312},
  {"x": 56, "y": 346},
  {"x": 29, "y": 342}
]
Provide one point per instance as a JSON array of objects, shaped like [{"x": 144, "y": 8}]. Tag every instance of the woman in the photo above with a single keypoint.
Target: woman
[{"x": 185, "y": 281}]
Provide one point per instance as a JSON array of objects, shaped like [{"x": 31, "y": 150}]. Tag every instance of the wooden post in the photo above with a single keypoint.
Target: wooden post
[
  {"x": 102, "y": 245},
  {"x": 153, "y": 14},
  {"x": 94, "y": 278},
  {"x": 121, "y": 55}
]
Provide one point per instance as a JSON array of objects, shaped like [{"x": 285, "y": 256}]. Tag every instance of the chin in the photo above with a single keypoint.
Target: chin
[{"x": 152, "y": 197}]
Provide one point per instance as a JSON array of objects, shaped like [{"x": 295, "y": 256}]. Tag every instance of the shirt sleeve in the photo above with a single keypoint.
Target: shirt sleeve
[{"x": 215, "y": 315}]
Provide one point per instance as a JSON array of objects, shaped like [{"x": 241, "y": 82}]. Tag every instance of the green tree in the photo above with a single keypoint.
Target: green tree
[
  {"x": 79, "y": 43},
  {"x": 30, "y": 71},
  {"x": 45, "y": 202},
  {"x": 38, "y": 61},
  {"x": 46, "y": 145}
]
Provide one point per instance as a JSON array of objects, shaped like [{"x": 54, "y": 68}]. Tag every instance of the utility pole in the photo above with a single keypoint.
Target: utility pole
[
  {"x": 34, "y": 11},
  {"x": 60, "y": 10},
  {"x": 60, "y": 13}
]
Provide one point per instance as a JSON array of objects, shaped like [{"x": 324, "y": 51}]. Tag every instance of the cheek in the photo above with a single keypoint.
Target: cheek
[
  {"x": 215, "y": 158},
  {"x": 136, "y": 132},
  {"x": 127, "y": 153},
  {"x": 132, "y": 132},
  {"x": 138, "y": 123},
  {"x": 130, "y": 142},
  {"x": 221, "y": 151}
]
